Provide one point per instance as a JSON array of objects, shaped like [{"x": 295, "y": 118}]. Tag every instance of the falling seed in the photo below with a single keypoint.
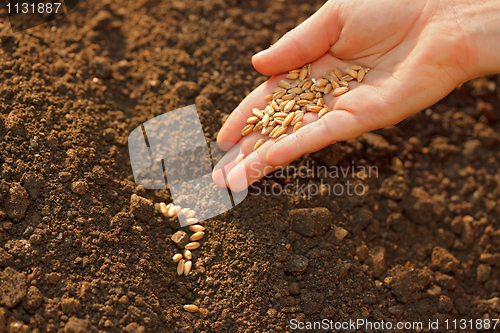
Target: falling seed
[
  {"x": 191, "y": 308},
  {"x": 197, "y": 236},
  {"x": 340, "y": 91},
  {"x": 192, "y": 220},
  {"x": 185, "y": 210},
  {"x": 172, "y": 211},
  {"x": 177, "y": 257},
  {"x": 164, "y": 209},
  {"x": 258, "y": 144},
  {"x": 282, "y": 136},
  {"x": 190, "y": 214},
  {"x": 177, "y": 209},
  {"x": 187, "y": 267},
  {"x": 196, "y": 228},
  {"x": 192, "y": 246},
  {"x": 180, "y": 267}
]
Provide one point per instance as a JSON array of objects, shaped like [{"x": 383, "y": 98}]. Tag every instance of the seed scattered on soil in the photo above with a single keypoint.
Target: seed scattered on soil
[
  {"x": 196, "y": 228},
  {"x": 177, "y": 257},
  {"x": 197, "y": 236},
  {"x": 180, "y": 266},
  {"x": 187, "y": 267},
  {"x": 191, "y": 308},
  {"x": 187, "y": 254},
  {"x": 192, "y": 246}
]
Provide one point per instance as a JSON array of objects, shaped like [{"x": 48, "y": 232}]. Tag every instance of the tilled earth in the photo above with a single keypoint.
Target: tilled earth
[{"x": 76, "y": 255}]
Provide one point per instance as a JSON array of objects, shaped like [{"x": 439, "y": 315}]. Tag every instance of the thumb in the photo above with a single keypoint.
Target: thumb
[{"x": 302, "y": 45}]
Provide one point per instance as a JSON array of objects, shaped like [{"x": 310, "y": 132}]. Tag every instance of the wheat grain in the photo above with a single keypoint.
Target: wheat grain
[
  {"x": 197, "y": 236},
  {"x": 192, "y": 246},
  {"x": 191, "y": 308},
  {"x": 297, "y": 126},
  {"x": 188, "y": 255},
  {"x": 281, "y": 137},
  {"x": 177, "y": 257},
  {"x": 259, "y": 143},
  {"x": 196, "y": 228},
  {"x": 340, "y": 91},
  {"x": 239, "y": 158},
  {"x": 187, "y": 267},
  {"x": 180, "y": 266},
  {"x": 246, "y": 130}
]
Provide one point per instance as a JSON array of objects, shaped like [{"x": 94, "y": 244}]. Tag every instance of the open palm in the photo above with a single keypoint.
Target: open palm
[{"x": 417, "y": 51}]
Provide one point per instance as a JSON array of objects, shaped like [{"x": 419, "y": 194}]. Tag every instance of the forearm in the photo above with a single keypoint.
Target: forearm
[{"x": 481, "y": 23}]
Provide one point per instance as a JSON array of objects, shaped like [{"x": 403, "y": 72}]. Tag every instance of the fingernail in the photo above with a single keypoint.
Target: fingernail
[
  {"x": 237, "y": 178},
  {"x": 260, "y": 53}
]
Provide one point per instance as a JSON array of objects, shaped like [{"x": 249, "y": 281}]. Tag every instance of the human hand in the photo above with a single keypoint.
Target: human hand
[{"x": 418, "y": 53}]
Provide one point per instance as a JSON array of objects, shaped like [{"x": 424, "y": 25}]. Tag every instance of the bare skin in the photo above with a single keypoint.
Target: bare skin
[{"x": 418, "y": 51}]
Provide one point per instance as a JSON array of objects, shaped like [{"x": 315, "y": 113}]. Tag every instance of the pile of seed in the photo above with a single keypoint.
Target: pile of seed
[
  {"x": 290, "y": 101},
  {"x": 184, "y": 263}
]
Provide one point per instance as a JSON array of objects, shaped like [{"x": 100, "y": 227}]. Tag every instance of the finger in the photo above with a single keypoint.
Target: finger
[
  {"x": 302, "y": 45},
  {"x": 254, "y": 166},
  {"x": 228, "y": 161},
  {"x": 334, "y": 126},
  {"x": 251, "y": 169}
]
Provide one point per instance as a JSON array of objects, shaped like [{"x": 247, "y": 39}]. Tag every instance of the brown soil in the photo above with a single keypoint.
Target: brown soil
[{"x": 423, "y": 242}]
